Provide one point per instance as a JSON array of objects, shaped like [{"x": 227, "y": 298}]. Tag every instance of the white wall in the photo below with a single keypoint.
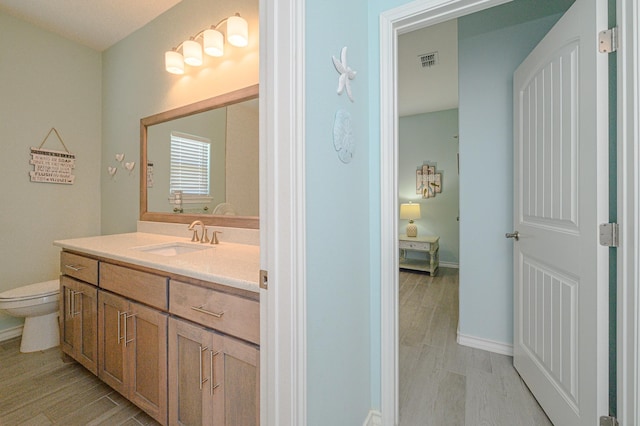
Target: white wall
[
  {"x": 135, "y": 85},
  {"x": 47, "y": 81}
]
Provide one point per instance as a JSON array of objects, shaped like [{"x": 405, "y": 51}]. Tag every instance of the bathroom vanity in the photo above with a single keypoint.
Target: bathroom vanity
[{"x": 172, "y": 325}]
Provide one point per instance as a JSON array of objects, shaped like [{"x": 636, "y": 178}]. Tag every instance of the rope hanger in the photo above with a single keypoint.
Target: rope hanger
[{"x": 53, "y": 129}]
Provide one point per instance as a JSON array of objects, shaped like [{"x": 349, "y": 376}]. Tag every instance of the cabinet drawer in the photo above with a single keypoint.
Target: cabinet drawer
[
  {"x": 414, "y": 245},
  {"x": 224, "y": 312},
  {"x": 79, "y": 267},
  {"x": 137, "y": 285}
]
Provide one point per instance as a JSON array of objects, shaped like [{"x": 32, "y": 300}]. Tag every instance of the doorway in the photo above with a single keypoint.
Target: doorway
[{"x": 491, "y": 180}]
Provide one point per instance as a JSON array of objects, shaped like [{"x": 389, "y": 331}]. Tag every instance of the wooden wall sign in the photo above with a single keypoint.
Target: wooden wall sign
[{"x": 52, "y": 166}]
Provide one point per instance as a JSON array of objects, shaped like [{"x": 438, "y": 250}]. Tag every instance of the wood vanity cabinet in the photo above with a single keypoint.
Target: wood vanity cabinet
[
  {"x": 78, "y": 309},
  {"x": 213, "y": 378},
  {"x": 78, "y": 319},
  {"x": 186, "y": 352},
  {"x": 132, "y": 341}
]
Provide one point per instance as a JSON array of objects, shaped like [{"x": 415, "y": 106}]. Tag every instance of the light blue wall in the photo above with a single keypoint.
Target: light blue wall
[
  {"x": 338, "y": 280},
  {"x": 432, "y": 138},
  {"x": 46, "y": 81},
  {"x": 135, "y": 85},
  {"x": 487, "y": 60}
]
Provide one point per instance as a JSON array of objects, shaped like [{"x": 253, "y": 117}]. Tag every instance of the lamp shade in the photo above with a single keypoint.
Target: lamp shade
[
  {"x": 174, "y": 62},
  {"x": 192, "y": 52},
  {"x": 237, "y": 31},
  {"x": 409, "y": 211},
  {"x": 213, "y": 42}
]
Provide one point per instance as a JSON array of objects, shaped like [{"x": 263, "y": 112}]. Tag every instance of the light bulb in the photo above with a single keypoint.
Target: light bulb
[
  {"x": 213, "y": 42},
  {"x": 237, "y": 31},
  {"x": 174, "y": 62},
  {"x": 192, "y": 52}
]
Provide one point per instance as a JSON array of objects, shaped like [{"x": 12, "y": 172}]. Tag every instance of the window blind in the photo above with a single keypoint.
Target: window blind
[{"x": 190, "y": 159}]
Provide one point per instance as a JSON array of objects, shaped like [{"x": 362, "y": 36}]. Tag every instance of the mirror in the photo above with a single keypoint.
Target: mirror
[{"x": 201, "y": 161}]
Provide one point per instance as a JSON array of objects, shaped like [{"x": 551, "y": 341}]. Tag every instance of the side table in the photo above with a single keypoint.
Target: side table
[{"x": 428, "y": 245}]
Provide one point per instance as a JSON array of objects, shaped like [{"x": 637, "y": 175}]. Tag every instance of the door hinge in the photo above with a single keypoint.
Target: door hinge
[
  {"x": 608, "y": 40},
  {"x": 608, "y": 421},
  {"x": 609, "y": 234},
  {"x": 264, "y": 279}
]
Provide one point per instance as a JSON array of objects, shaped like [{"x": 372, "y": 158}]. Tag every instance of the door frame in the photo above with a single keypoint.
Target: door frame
[
  {"x": 283, "y": 354},
  {"x": 420, "y": 14},
  {"x": 628, "y": 177},
  {"x": 397, "y": 21}
]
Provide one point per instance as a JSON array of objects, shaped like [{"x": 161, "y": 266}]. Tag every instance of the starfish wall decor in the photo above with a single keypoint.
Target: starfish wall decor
[{"x": 346, "y": 73}]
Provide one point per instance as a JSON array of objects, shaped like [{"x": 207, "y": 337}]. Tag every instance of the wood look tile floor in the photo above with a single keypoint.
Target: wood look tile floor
[
  {"x": 444, "y": 383},
  {"x": 39, "y": 389}
]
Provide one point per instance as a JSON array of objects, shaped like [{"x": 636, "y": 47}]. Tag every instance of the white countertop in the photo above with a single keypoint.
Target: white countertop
[{"x": 235, "y": 265}]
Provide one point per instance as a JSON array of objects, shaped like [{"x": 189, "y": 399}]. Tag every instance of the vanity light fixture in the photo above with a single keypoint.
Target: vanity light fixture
[{"x": 212, "y": 42}]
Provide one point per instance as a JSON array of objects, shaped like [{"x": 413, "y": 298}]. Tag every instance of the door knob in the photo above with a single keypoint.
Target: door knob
[{"x": 515, "y": 235}]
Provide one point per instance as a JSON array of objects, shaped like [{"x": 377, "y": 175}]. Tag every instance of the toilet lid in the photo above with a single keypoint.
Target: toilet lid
[{"x": 44, "y": 288}]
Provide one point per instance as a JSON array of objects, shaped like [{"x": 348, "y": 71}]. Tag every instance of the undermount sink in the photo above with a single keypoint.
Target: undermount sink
[{"x": 172, "y": 249}]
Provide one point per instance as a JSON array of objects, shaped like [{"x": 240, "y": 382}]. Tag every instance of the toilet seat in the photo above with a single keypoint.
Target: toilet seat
[{"x": 31, "y": 291}]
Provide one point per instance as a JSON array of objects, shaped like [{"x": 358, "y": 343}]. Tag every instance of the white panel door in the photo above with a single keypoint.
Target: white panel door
[{"x": 560, "y": 197}]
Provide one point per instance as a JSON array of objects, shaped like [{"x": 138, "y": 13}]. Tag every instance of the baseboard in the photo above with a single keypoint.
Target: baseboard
[
  {"x": 485, "y": 344},
  {"x": 442, "y": 264},
  {"x": 373, "y": 419},
  {"x": 10, "y": 333}
]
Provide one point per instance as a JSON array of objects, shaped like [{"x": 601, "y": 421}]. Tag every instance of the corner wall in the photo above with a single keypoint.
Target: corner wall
[{"x": 47, "y": 81}]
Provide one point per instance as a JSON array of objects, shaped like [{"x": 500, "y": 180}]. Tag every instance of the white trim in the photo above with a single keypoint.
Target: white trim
[
  {"x": 10, "y": 333},
  {"x": 448, "y": 265},
  {"x": 628, "y": 333},
  {"x": 409, "y": 17},
  {"x": 282, "y": 213},
  {"x": 485, "y": 344},
  {"x": 373, "y": 419}
]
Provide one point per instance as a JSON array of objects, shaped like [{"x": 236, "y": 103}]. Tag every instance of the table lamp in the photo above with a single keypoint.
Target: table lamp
[{"x": 410, "y": 211}]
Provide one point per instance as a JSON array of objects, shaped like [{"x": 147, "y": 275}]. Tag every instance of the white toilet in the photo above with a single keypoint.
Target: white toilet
[{"x": 38, "y": 305}]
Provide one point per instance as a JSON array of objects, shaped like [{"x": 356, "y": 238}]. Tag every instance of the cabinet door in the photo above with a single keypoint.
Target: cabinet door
[
  {"x": 67, "y": 319},
  {"x": 189, "y": 399},
  {"x": 112, "y": 338},
  {"x": 78, "y": 325},
  {"x": 147, "y": 360},
  {"x": 86, "y": 333},
  {"x": 235, "y": 380}
]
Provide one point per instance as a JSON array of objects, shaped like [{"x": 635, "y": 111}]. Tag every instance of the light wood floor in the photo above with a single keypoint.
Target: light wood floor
[
  {"x": 39, "y": 389},
  {"x": 443, "y": 383}
]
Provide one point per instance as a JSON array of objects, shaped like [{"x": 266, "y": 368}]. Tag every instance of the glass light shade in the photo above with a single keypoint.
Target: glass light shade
[
  {"x": 237, "y": 31},
  {"x": 173, "y": 62},
  {"x": 192, "y": 52},
  {"x": 213, "y": 42},
  {"x": 410, "y": 211}
]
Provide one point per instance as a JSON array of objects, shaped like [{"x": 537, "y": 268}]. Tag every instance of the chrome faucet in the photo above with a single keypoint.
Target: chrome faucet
[{"x": 205, "y": 237}]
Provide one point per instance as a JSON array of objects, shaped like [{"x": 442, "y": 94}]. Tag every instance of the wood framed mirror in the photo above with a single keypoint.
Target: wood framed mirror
[{"x": 227, "y": 193}]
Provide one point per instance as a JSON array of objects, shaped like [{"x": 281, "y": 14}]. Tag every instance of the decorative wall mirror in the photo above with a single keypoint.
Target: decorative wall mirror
[{"x": 201, "y": 161}]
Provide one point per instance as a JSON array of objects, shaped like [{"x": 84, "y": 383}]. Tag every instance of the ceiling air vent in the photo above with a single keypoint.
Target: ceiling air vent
[{"x": 428, "y": 59}]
